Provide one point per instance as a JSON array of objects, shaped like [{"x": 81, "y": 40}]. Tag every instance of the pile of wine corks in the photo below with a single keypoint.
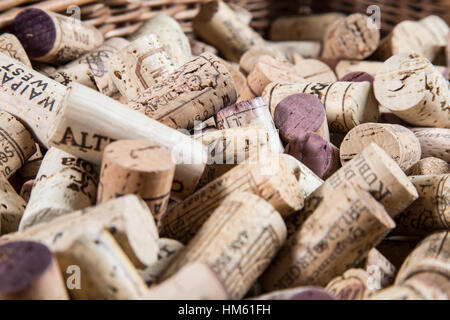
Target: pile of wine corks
[{"x": 310, "y": 165}]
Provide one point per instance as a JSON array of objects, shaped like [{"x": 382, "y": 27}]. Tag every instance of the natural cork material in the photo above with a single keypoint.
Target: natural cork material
[
  {"x": 12, "y": 207},
  {"x": 429, "y": 166},
  {"x": 353, "y": 284},
  {"x": 344, "y": 67},
  {"x": 12, "y": 47},
  {"x": 313, "y": 70},
  {"x": 435, "y": 142},
  {"x": 380, "y": 268}
]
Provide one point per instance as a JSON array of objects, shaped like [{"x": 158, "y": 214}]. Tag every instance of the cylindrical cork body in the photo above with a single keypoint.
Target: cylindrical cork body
[
  {"x": 344, "y": 67},
  {"x": 12, "y": 47},
  {"x": 16, "y": 144},
  {"x": 431, "y": 211},
  {"x": 252, "y": 55},
  {"x": 434, "y": 142},
  {"x": 411, "y": 87},
  {"x": 347, "y": 104},
  {"x": 353, "y": 284},
  {"x": 139, "y": 66},
  {"x": 64, "y": 184},
  {"x": 218, "y": 25},
  {"x": 12, "y": 207},
  {"x": 137, "y": 167},
  {"x": 247, "y": 231},
  {"x": 398, "y": 142},
  {"x": 313, "y": 70},
  {"x": 429, "y": 166},
  {"x": 194, "y": 92},
  {"x": 300, "y": 293},
  {"x": 437, "y": 28},
  {"x": 51, "y": 37},
  {"x": 381, "y": 270},
  {"x": 338, "y": 235},
  {"x": 28, "y": 271}
]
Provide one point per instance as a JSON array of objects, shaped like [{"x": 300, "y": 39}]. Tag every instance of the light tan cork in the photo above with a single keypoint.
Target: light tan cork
[
  {"x": 344, "y": 67},
  {"x": 252, "y": 55},
  {"x": 435, "y": 142},
  {"x": 294, "y": 49},
  {"x": 429, "y": 166},
  {"x": 313, "y": 70},
  {"x": 12, "y": 207},
  {"x": 12, "y": 47},
  {"x": 353, "y": 284},
  {"x": 380, "y": 268}
]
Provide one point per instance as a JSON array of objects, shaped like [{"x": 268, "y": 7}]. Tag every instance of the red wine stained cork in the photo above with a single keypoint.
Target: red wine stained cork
[
  {"x": 300, "y": 113},
  {"x": 435, "y": 142},
  {"x": 51, "y": 37},
  {"x": 344, "y": 67},
  {"x": 380, "y": 268},
  {"x": 64, "y": 184},
  {"x": 12, "y": 207},
  {"x": 350, "y": 38},
  {"x": 194, "y": 92},
  {"x": 139, "y": 66},
  {"x": 399, "y": 86},
  {"x": 431, "y": 211},
  {"x": 137, "y": 167},
  {"x": 28, "y": 271},
  {"x": 313, "y": 70},
  {"x": 399, "y": 142},
  {"x": 241, "y": 216},
  {"x": 347, "y": 104},
  {"x": 12, "y": 47},
  {"x": 357, "y": 76},
  {"x": 269, "y": 177},
  {"x": 25, "y": 190},
  {"x": 353, "y": 284},
  {"x": 339, "y": 234},
  {"x": 429, "y": 166},
  {"x": 218, "y": 25},
  {"x": 252, "y": 55},
  {"x": 301, "y": 293},
  {"x": 16, "y": 144},
  {"x": 310, "y": 27}
]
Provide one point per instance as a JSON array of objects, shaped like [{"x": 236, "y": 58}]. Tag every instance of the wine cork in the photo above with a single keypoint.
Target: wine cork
[
  {"x": 90, "y": 69},
  {"x": 344, "y": 67},
  {"x": 252, "y": 55},
  {"x": 313, "y": 70},
  {"x": 198, "y": 47},
  {"x": 25, "y": 190},
  {"x": 64, "y": 184},
  {"x": 435, "y": 142},
  {"x": 310, "y": 27},
  {"x": 194, "y": 92},
  {"x": 170, "y": 35},
  {"x": 350, "y": 38},
  {"x": 238, "y": 77},
  {"x": 437, "y": 29},
  {"x": 269, "y": 177},
  {"x": 51, "y": 37},
  {"x": 16, "y": 144},
  {"x": 397, "y": 248},
  {"x": 430, "y": 212},
  {"x": 353, "y": 284},
  {"x": 380, "y": 268},
  {"x": 29, "y": 272},
  {"x": 252, "y": 225},
  {"x": 301, "y": 293},
  {"x": 31, "y": 167},
  {"x": 218, "y": 25},
  {"x": 341, "y": 231},
  {"x": 12, "y": 47},
  {"x": 293, "y": 49},
  {"x": 405, "y": 95},
  {"x": 29, "y": 96},
  {"x": 12, "y": 207},
  {"x": 398, "y": 142},
  {"x": 357, "y": 76},
  {"x": 137, "y": 167},
  {"x": 429, "y": 166},
  {"x": 139, "y": 66},
  {"x": 243, "y": 14},
  {"x": 265, "y": 71},
  {"x": 347, "y": 104}
]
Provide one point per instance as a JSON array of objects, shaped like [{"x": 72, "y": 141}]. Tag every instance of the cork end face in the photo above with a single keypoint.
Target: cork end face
[{"x": 36, "y": 31}]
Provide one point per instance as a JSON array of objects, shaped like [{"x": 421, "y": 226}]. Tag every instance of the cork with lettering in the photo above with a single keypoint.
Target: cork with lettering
[
  {"x": 429, "y": 166},
  {"x": 64, "y": 184},
  {"x": 380, "y": 268},
  {"x": 194, "y": 92},
  {"x": 353, "y": 284},
  {"x": 435, "y": 142},
  {"x": 347, "y": 104},
  {"x": 12, "y": 207},
  {"x": 12, "y": 47},
  {"x": 344, "y": 67},
  {"x": 30, "y": 272},
  {"x": 51, "y": 37},
  {"x": 137, "y": 167},
  {"x": 218, "y": 25},
  {"x": 139, "y": 66},
  {"x": 430, "y": 212},
  {"x": 414, "y": 90},
  {"x": 267, "y": 176},
  {"x": 254, "y": 233},
  {"x": 399, "y": 142},
  {"x": 338, "y": 235}
]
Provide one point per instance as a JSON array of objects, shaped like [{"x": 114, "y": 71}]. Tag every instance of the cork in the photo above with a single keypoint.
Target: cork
[
  {"x": 310, "y": 27},
  {"x": 89, "y": 121},
  {"x": 293, "y": 49},
  {"x": 437, "y": 29},
  {"x": 405, "y": 95},
  {"x": 137, "y": 167},
  {"x": 170, "y": 36},
  {"x": 399, "y": 143},
  {"x": 193, "y": 92},
  {"x": 25, "y": 190},
  {"x": 219, "y": 26},
  {"x": 380, "y": 268},
  {"x": 29, "y": 272},
  {"x": 252, "y": 55},
  {"x": 347, "y": 104},
  {"x": 198, "y": 47},
  {"x": 430, "y": 212},
  {"x": 313, "y": 70},
  {"x": 243, "y": 14},
  {"x": 357, "y": 76},
  {"x": 12, "y": 207},
  {"x": 238, "y": 78},
  {"x": 51, "y": 37},
  {"x": 353, "y": 284},
  {"x": 350, "y": 38},
  {"x": 64, "y": 184},
  {"x": 339, "y": 234},
  {"x": 429, "y": 166},
  {"x": 139, "y": 66},
  {"x": 268, "y": 177},
  {"x": 397, "y": 248},
  {"x": 31, "y": 166},
  {"x": 344, "y": 67},
  {"x": 16, "y": 144},
  {"x": 12, "y": 47},
  {"x": 434, "y": 142},
  {"x": 301, "y": 293},
  {"x": 252, "y": 225}
]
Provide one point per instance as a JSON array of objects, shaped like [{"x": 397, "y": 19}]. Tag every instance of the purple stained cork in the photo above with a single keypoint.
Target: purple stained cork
[
  {"x": 357, "y": 76},
  {"x": 299, "y": 114}
]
